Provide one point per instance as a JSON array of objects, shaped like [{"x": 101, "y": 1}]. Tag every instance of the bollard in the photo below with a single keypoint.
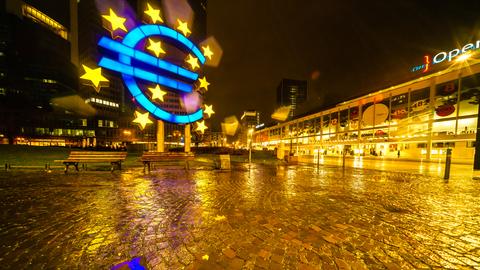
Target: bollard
[
  {"x": 343, "y": 161},
  {"x": 318, "y": 158},
  {"x": 448, "y": 161}
]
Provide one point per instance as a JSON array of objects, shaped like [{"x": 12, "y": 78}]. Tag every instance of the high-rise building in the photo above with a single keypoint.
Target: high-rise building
[
  {"x": 113, "y": 114},
  {"x": 291, "y": 93},
  {"x": 37, "y": 68}
]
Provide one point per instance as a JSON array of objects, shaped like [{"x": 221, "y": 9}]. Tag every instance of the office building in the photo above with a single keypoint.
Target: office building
[
  {"x": 291, "y": 93},
  {"x": 38, "y": 74}
]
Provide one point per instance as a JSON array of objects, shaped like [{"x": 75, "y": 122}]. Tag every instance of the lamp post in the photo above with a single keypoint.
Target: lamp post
[{"x": 250, "y": 133}]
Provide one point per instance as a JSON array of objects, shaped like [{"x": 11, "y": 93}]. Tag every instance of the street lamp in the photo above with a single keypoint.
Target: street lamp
[{"x": 250, "y": 133}]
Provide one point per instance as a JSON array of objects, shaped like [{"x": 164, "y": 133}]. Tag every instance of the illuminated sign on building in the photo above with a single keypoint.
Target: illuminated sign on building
[{"x": 445, "y": 56}]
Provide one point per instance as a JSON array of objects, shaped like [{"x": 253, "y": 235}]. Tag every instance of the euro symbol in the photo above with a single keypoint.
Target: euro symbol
[{"x": 126, "y": 52}]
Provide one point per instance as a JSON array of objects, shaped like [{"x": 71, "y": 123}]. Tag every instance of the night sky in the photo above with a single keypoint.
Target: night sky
[{"x": 343, "y": 48}]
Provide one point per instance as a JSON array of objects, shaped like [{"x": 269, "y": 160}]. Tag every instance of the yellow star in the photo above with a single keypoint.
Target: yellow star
[
  {"x": 207, "y": 52},
  {"x": 157, "y": 93},
  {"x": 201, "y": 127},
  {"x": 183, "y": 27},
  {"x": 193, "y": 61},
  {"x": 142, "y": 119},
  {"x": 153, "y": 13},
  {"x": 204, "y": 83},
  {"x": 155, "y": 47},
  {"x": 209, "y": 110},
  {"x": 115, "y": 21},
  {"x": 94, "y": 76}
]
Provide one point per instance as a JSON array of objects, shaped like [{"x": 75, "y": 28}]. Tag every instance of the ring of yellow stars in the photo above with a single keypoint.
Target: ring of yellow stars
[
  {"x": 209, "y": 110},
  {"x": 153, "y": 13},
  {"x": 183, "y": 27},
  {"x": 201, "y": 127},
  {"x": 193, "y": 61},
  {"x": 142, "y": 119},
  {"x": 116, "y": 21},
  {"x": 204, "y": 83},
  {"x": 94, "y": 76},
  {"x": 157, "y": 93},
  {"x": 155, "y": 47},
  {"x": 207, "y": 52}
]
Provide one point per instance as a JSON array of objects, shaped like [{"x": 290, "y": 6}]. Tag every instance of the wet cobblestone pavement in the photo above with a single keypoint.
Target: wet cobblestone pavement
[{"x": 272, "y": 217}]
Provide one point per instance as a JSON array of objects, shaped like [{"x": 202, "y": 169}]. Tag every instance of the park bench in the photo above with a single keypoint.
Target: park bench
[
  {"x": 84, "y": 157},
  {"x": 157, "y": 157}
]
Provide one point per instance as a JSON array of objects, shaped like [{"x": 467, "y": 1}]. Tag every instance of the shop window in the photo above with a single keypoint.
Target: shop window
[
  {"x": 446, "y": 100},
  {"x": 334, "y": 122},
  {"x": 443, "y": 128},
  {"x": 343, "y": 120},
  {"x": 325, "y": 124},
  {"x": 467, "y": 126},
  {"x": 469, "y": 96},
  {"x": 419, "y": 103},
  {"x": 398, "y": 108},
  {"x": 421, "y": 145},
  {"x": 318, "y": 124}
]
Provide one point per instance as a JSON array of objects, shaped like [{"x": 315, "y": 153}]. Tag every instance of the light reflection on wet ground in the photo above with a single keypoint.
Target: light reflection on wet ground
[{"x": 267, "y": 217}]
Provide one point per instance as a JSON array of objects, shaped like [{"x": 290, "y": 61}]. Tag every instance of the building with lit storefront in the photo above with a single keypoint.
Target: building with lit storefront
[{"x": 419, "y": 119}]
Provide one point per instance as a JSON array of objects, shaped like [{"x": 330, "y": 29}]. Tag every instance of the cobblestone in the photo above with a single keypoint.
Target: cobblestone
[{"x": 271, "y": 217}]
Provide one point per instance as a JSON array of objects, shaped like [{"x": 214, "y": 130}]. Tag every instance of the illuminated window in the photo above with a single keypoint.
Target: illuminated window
[
  {"x": 100, "y": 123},
  {"x": 39, "y": 17}
]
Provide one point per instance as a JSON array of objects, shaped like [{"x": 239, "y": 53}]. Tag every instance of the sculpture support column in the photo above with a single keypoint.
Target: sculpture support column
[
  {"x": 188, "y": 138},
  {"x": 160, "y": 136}
]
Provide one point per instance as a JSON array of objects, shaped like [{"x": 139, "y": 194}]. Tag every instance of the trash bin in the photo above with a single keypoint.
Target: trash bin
[{"x": 224, "y": 162}]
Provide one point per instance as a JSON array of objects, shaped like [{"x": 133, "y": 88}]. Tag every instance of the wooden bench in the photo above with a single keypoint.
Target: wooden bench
[
  {"x": 75, "y": 157},
  {"x": 156, "y": 157}
]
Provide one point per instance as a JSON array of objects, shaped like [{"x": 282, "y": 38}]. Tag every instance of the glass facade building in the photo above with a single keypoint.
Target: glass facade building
[{"x": 417, "y": 120}]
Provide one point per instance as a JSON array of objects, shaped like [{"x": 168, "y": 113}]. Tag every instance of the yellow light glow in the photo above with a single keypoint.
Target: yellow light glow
[
  {"x": 209, "y": 110},
  {"x": 207, "y": 52},
  {"x": 201, "y": 127},
  {"x": 153, "y": 13},
  {"x": 205, "y": 257},
  {"x": 193, "y": 61},
  {"x": 203, "y": 83},
  {"x": 157, "y": 92},
  {"x": 183, "y": 27},
  {"x": 142, "y": 119},
  {"x": 94, "y": 76},
  {"x": 115, "y": 21},
  {"x": 155, "y": 47},
  {"x": 463, "y": 57}
]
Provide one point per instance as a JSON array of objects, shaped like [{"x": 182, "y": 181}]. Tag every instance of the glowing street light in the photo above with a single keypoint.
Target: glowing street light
[{"x": 463, "y": 57}]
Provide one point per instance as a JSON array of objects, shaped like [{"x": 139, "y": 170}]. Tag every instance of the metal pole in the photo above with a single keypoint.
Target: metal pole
[
  {"x": 318, "y": 157},
  {"x": 476, "y": 159},
  {"x": 343, "y": 159},
  {"x": 448, "y": 161},
  {"x": 250, "y": 154}
]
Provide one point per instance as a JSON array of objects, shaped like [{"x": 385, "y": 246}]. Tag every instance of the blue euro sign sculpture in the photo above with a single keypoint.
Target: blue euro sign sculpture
[{"x": 126, "y": 52}]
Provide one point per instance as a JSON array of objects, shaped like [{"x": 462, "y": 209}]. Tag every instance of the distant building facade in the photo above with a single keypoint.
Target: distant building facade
[
  {"x": 291, "y": 93},
  {"x": 249, "y": 120}
]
